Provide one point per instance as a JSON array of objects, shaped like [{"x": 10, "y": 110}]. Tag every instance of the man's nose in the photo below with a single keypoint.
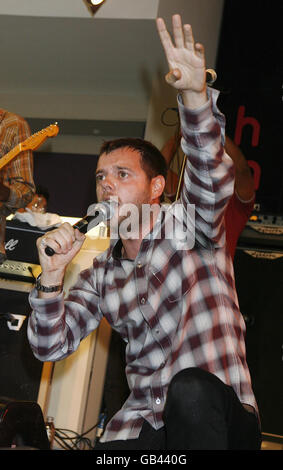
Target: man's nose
[{"x": 108, "y": 184}]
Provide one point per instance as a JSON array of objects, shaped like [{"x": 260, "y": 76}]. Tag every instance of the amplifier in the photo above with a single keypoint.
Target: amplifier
[
  {"x": 263, "y": 231},
  {"x": 22, "y": 425},
  {"x": 20, "y": 241},
  {"x": 20, "y": 238},
  {"x": 18, "y": 275},
  {"x": 258, "y": 277}
]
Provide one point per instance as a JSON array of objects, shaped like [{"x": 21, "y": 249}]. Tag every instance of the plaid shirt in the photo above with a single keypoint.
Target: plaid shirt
[
  {"x": 175, "y": 308},
  {"x": 17, "y": 175}
]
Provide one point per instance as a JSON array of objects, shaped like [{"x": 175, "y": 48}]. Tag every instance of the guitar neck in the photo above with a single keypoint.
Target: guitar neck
[
  {"x": 10, "y": 155},
  {"x": 31, "y": 143}
]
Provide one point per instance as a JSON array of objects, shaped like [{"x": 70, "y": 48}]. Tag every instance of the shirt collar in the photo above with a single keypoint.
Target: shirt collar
[{"x": 115, "y": 247}]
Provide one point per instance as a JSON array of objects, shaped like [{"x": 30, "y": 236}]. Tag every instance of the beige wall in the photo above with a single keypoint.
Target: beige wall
[
  {"x": 144, "y": 9},
  {"x": 136, "y": 94}
]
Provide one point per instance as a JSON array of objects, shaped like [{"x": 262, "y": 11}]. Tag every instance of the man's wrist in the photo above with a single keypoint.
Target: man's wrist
[
  {"x": 194, "y": 100},
  {"x": 48, "y": 287}
]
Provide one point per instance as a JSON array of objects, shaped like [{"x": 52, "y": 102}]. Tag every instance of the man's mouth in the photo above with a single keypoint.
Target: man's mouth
[{"x": 112, "y": 200}]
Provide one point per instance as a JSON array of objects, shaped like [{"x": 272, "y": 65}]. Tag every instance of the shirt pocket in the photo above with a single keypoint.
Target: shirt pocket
[{"x": 172, "y": 285}]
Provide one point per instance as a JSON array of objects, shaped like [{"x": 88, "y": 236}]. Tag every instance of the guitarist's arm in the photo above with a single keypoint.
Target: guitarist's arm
[
  {"x": 4, "y": 193},
  {"x": 17, "y": 186}
]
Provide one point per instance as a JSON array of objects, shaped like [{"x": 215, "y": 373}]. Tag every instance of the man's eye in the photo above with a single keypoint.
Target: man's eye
[
  {"x": 123, "y": 174},
  {"x": 99, "y": 177}
]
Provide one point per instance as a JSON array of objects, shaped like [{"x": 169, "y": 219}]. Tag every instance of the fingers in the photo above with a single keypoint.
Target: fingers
[
  {"x": 185, "y": 58},
  {"x": 60, "y": 240},
  {"x": 188, "y": 37},
  {"x": 183, "y": 37},
  {"x": 173, "y": 76},
  {"x": 178, "y": 31},
  {"x": 165, "y": 38},
  {"x": 199, "y": 50}
]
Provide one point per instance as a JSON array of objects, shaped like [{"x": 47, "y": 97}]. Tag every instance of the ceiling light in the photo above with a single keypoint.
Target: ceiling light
[{"x": 93, "y": 5}]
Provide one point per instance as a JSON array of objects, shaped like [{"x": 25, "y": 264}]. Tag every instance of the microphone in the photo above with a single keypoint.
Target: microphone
[{"x": 96, "y": 213}]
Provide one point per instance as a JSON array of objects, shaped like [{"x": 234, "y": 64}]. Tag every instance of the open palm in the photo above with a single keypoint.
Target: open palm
[{"x": 185, "y": 59}]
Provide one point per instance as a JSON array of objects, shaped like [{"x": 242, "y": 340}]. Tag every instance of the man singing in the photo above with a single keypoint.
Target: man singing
[{"x": 174, "y": 305}]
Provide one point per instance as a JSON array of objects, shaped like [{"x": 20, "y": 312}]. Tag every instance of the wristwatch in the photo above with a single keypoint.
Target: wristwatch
[{"x": 42, "y": 288}]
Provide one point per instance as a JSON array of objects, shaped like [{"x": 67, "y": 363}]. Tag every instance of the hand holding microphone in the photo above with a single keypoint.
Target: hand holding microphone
[
  {"x": 58, "y": 247},
  {"x": 96, "y": 214}
]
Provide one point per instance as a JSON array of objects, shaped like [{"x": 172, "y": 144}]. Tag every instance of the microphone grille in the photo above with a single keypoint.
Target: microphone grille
[{"x": 105, "y": 208}]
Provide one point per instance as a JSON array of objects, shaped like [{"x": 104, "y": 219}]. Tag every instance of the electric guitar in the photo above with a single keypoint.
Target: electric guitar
[{"x": 31, "y": 143}]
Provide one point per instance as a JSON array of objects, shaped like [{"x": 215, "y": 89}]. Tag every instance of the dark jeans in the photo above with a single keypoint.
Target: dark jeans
[{"x": 201, "y": 413}]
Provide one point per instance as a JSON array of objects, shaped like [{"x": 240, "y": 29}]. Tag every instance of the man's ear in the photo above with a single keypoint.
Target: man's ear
[{"x": 157, "y": 186}]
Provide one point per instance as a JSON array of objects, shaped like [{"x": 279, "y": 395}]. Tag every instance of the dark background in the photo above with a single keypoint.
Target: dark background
[
  {"x": 250, "y": 78},
  {"x": 69, "y": 179},
  {"x": 249, "y": 69}
]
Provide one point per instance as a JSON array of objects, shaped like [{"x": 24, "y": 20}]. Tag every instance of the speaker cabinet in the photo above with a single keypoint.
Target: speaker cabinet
[
  {"x": 20, "y": 371},
  {"x": 259, "y": 277},
  {"x": 22, "y": 425}
]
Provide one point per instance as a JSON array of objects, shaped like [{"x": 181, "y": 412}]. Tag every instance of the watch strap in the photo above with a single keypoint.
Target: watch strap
[{"x": 42, "y": 288}]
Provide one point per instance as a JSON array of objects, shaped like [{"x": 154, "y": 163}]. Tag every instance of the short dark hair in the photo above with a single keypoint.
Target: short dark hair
[
  {"x": 152, "y": 160},
  {"x": 42, "y": 191}
]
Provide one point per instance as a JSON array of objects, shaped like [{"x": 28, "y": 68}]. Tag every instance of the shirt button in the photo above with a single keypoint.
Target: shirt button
[
  {"x": 158, "y": 401},
  {"x": 142, "y": 300},
  {"x": 157, "y": 331}
]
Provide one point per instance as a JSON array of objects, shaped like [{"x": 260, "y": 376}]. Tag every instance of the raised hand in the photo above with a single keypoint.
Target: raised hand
[{"x": 186, "y": 58}]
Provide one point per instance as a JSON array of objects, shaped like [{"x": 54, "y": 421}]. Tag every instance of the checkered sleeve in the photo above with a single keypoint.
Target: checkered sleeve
[
  {"x": 56, "y": 326},
  {"x": 209, "y": 173}
]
